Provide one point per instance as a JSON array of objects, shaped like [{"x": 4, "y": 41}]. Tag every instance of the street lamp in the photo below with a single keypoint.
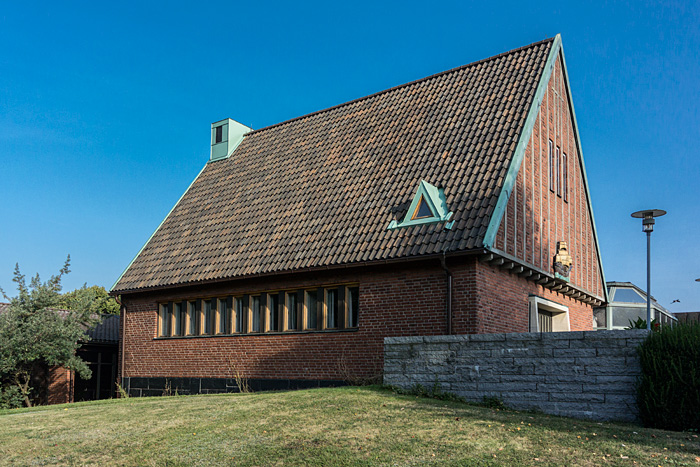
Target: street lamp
[{"x": 647, "y": 217}]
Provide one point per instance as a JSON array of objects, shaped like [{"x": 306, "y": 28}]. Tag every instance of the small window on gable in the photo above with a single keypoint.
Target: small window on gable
[
  {"x": 429, "y": 206},
  {"x": 219, "y": 136},
  {"x": 558, "y": 179},
  {"x": 565, "y": 176},
  {"x": 550, "y": 156}
]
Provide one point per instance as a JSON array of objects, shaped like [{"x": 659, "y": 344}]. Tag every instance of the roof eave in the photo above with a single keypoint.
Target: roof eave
[{"x": 406, "y": 259}]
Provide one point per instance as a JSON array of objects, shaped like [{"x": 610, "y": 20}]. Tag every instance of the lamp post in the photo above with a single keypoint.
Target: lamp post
[{"x": 648, "y": 221}]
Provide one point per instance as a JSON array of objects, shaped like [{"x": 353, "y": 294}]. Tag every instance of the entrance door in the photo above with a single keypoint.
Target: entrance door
[{"x": 545, "y": 320}]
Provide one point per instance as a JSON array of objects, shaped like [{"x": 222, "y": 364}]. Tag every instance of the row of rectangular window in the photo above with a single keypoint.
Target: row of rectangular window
[
  {"x": 558, "y": 172},
  {"x": 291, "y": 310}
]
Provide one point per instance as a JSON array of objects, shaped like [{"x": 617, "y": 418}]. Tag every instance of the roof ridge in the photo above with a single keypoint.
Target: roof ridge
[{"x": 398, "y": 86}]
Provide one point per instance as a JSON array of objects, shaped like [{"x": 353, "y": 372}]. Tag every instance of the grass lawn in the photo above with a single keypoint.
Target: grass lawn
[{"x": 339, "y": 426}]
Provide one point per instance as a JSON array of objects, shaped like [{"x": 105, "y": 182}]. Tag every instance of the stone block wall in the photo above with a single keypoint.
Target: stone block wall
[{"x": 584, "y": 374}]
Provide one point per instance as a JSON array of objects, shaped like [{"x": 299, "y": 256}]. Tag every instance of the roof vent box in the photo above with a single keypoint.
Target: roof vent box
[{"x": 226, "y": 135}]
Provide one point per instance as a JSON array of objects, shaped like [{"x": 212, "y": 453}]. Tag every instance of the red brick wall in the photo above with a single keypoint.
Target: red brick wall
[
  {"x": 60, "y": 385},
  {"x": 536, "y": 218},
  {"x": 407, "y": 299},
  {"x": 502, "y": 302}
]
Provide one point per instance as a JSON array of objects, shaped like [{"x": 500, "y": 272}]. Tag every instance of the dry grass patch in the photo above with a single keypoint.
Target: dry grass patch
[{"x": 341, "y": 426}]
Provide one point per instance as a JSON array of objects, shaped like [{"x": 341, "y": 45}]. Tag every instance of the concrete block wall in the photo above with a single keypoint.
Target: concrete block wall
[{"x": 583, "y": 374}]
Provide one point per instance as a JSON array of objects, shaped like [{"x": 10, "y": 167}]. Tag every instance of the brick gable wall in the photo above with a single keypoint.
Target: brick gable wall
[{"x": 535, "y": 218}]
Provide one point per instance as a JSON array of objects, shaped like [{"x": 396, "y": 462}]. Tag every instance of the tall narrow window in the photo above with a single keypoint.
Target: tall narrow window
[
  {"x": 352, "y": 298},
  {"x": 192, "y": 318},
  {"x": 240, "y": 309},
  {"x": 558, "y": 161},
  {"x": 291, "y": 311},
  {"x": 311, "y": 309},
  {"x": 255, "y": 314},
  {"x": 224, "y": 317},
  {"x": 550, "y": 156},
  {"x": 179, "y": 319},
  {"x": 565, "y": 178},
  {"x": 206, "y": 317},
  {"x": 331, "y": 308},
  {"x": 219, "y": 134},
  {"x": 164, "y": 318},
  {"x": 272, "y": 308}
]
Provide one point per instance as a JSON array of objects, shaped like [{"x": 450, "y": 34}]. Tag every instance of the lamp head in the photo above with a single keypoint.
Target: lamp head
[{"x": 647, "y": 217}]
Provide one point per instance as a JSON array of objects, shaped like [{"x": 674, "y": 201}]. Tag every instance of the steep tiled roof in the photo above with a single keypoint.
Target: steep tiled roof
[{"x": 320, "y": 190}]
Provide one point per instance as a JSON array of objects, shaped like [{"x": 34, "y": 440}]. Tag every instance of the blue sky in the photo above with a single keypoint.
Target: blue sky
[{"x": 105, "y": 110}]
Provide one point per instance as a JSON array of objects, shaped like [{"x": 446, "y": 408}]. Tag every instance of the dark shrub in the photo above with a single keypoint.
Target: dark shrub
[{"x": 668, "y": 395}]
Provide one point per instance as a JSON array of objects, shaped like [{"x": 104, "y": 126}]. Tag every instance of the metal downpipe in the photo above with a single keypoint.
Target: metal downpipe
[{"x": 449, "y": 293}]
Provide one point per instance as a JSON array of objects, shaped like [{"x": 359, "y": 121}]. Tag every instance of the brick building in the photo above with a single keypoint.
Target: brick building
[{"x": 454, "y": 204}]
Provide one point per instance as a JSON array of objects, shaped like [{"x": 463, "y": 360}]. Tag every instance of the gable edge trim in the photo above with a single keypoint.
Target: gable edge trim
[{"x": 520, "y": 149}]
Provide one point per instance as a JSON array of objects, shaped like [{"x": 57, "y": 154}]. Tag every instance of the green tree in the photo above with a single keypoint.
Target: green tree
[
  {"x": 33, "y": 331},
  {"x": 95, "y": 299}
]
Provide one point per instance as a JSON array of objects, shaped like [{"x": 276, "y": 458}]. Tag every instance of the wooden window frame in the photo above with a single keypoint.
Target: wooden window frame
[
  {"x": 226, "y": 311},
  {"x": 348, "y": 301},
  {"x": 307, "y": 312},
  {"x": 261, "y": 314},
  {"x": 226, "y": 319},
  {"x": 422, "y": 201},
  {"x": 339, "y": 307},
  {"x": 164, "y": 320},
  {"x": 204, "y": 320},
  {"x": 179, "y": 315},
  {"x": 243, "y": 312},
  {"x": 191, "y": 321},
  {"x": 285, "y": 324},
  {"x": 270, "y": 309}
]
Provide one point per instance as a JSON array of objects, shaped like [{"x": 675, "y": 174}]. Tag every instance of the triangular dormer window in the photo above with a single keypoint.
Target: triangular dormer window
[
  {"x": 422, "y": 211},
  {"x": 428, "y": 207}
]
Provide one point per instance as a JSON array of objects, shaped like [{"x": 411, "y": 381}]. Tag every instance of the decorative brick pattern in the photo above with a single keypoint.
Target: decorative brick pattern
[{"x": 585, "y": 374}]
